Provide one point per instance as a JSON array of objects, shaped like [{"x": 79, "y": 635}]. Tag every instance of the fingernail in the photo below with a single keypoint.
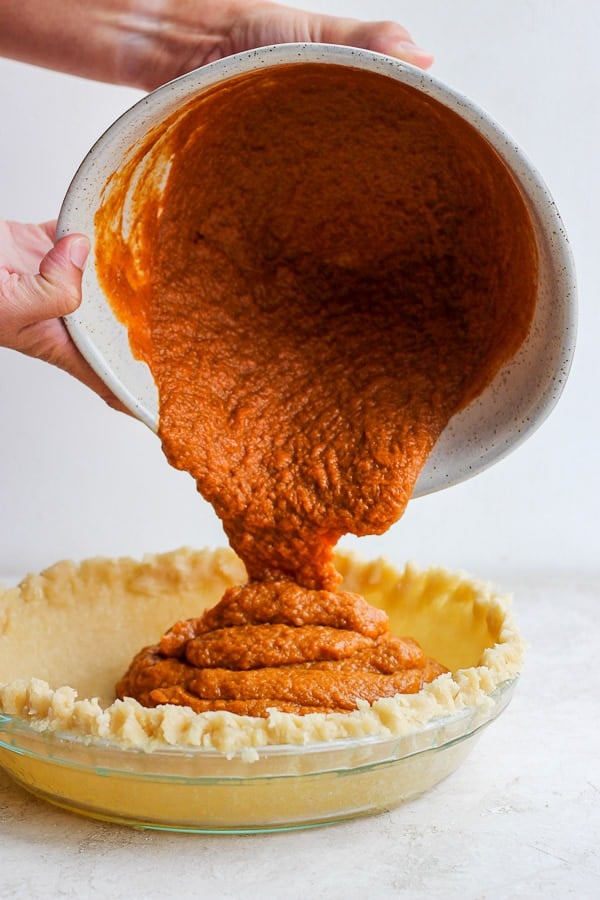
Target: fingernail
[
  {"x": 79, "y": 250},
  {"x": 412, "y": 48}
]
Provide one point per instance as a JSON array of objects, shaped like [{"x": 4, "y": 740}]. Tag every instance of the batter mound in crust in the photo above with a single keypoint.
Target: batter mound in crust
[{"x": 58, "y": 685}]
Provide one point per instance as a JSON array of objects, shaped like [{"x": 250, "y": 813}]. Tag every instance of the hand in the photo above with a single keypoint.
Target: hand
[
  {"x": 185, "y": 34},
  {"x": 39, "y": 283},
  {"x": 143, "y": 43}
]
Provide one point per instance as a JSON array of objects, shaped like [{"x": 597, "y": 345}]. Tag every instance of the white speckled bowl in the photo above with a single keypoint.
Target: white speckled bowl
[{"x": 523, "y": 392}]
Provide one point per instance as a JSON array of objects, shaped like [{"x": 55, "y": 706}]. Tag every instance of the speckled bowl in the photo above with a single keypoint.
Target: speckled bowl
[{"x": 524, "y": 390}]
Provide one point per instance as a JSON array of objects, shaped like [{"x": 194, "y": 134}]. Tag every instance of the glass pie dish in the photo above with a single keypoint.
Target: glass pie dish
[
  {"x": 172, "y": 769},
  {"x": 200, "y": 790}
]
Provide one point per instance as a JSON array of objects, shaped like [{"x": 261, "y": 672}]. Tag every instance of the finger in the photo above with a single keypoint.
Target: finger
[
  {"x": 60, "y": 273},
  {"x": 273, "y": 24},
  {"x": 22, "y": 246},
  {"x": 381, "y": 37},
  {"x": 54, "y": 292},
  {"x": 32, "y": 306},
  {"x": 49, "y": 228},
  {"x": 50, "y": 341}
]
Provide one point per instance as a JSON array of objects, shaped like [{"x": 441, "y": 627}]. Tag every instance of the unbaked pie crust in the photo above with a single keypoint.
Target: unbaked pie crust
[{"x": 67, "y": 635}]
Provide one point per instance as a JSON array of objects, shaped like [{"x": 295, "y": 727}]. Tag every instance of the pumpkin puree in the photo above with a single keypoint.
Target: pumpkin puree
[{"x": 320, "y": 266}]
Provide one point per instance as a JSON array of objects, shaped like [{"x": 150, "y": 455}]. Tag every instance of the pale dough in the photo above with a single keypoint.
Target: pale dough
[{"x": 68, "y": 634}]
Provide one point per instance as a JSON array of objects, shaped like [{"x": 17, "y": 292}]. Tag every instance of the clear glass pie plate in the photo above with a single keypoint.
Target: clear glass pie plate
[
  {"x": 68, "y": 633},
  {"x": 198, "y": 790}
]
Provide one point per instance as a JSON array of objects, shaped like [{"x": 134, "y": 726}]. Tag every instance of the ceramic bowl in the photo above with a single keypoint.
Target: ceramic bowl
[{"x": 523, "y": 392}]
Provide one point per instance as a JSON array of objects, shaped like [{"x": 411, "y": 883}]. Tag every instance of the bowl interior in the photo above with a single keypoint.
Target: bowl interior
[{"x": 524, "y": 390}]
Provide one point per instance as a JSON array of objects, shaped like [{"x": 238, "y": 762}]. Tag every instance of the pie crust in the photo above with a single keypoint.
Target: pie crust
[{"x": 67, "y": 634}]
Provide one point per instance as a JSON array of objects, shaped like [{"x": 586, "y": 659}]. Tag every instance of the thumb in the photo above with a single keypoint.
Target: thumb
[
  {"x": 27, "y": 300},
  {"x": 56, "y": 291},
  {"x": 31, "y": 307}
]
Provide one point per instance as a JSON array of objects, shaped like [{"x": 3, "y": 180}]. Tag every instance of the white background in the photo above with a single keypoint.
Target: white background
[{"x": 77, "y": 479}]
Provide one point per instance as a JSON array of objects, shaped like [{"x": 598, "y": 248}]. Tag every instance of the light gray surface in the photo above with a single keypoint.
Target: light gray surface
[{"x": 521, "y": 818}]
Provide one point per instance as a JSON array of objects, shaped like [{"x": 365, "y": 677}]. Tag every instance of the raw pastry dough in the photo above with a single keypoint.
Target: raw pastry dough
[{"x": 67, "y": 634}]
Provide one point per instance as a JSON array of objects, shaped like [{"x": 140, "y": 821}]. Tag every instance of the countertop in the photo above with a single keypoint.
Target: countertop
[{"x": 520, "y": 818}]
